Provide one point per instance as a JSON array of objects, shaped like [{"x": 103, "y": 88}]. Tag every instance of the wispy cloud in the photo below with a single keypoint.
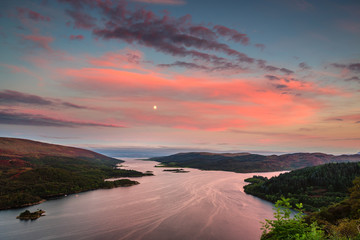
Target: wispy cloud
[
  {"x": 76, "y": 37},
  {"x": 353, "y": 67},
  {"x": 14, "y": 97},
  {"x": 16, "y": 118},
  {"x": 25, "y": 12}
]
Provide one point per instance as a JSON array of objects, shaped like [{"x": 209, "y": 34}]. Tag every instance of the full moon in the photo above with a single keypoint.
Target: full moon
[{"x": 155, "y": 107}]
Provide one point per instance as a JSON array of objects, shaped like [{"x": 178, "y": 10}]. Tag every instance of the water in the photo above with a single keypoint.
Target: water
[{"x": 195, "y": 205}]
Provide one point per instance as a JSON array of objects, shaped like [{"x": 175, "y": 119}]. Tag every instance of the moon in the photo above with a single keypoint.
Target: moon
[{"x": 155, "y": 107}]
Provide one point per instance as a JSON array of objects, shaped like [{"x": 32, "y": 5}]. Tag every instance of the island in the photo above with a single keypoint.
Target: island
[
  {"x": 27, "y": 215},
  {"x": 119, "y": 183},
  {"x": 176, "y": 170}
]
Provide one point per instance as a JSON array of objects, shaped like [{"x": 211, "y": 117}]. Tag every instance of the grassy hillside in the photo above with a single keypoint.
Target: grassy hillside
[
  {"x": 246, "y": 162},
  {"x": 33, "y": 171},
  {"x": 315, "y": 187}
]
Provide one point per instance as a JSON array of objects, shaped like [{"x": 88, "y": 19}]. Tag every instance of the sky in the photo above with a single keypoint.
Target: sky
[{"x": 225, "y": 76}]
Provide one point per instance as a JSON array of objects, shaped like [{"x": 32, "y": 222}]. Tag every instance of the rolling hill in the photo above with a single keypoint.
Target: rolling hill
[
  {"x": 247, "y": 162},
  {"x": 32, "y": 171}
]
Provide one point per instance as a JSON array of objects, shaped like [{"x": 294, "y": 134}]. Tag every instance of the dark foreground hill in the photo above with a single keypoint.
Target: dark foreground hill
[
  {"x": 246, "y": 162},
  {"x": 32, "y": 171}
]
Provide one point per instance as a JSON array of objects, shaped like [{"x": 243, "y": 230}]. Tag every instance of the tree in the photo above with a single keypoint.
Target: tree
[{"x": 287, "y": 227}]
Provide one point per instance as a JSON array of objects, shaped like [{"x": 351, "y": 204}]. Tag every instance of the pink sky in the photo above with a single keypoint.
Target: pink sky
[{"x": 89, "y": 73}]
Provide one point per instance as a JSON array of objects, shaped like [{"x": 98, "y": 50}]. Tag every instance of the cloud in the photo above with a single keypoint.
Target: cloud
[
  {"x": 40, "y": 41},
  {"x": 12, "y": 118},
  {"x": 8, "y": 96},
  {"x": 204, "y": 45},
  {"x": 232, "y": 34},
  {"x": 262, "y": 64},
  {"x": 271, "y": 77},
  {"x": 25, "y": 12},
  {"x": 125, "y": 58},
  {"x": 76, "y": 37},
  {"x": 260, "y": 46},
  {"x": 167, "y": 2},
  {"x": 14, "y": 97},
  {"x": 304, "y": 66},
  {"x": 353, "y": 118},
  {"x": 21, "y": 69},
  {"x": 280, "y": 86},
  {"x": 353, "y": 67},
  {"x": 185, "y": 65},
  {"x": 354, "y": 78},
  {"x": 82, "y": 20},
  {"x": 190, "y": 102},
  {"x": 286, "y": 71}
]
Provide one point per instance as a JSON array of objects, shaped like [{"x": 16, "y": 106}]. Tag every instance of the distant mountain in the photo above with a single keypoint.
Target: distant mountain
[
  {"x": 246, "y": 162},
  {"x": 32, "y": 171}
]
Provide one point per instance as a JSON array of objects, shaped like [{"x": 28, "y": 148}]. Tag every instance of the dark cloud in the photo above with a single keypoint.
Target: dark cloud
[
  {"x": 354, "y": 67},
  {"x": 280, "y": 86},
  {"x": 82, "y": 20},
  {"x": 231, "y": 34},
  {"x": 271, "y": 68},
  {"x": 8, "y": 96},
  {"x": 355, "y": 78},
  {"x": 25, "y": 12},
  {"x": 286, "y": 71},
  {"x": 304, "y": 66},
  {"x": 71, "y": 105},
  {"x": 14, "y": 97},
  {"x": 12, "y": 118},
  {"x": 335, "y": 119},
  {"x": 271, "y": 77},
  {"x": 179, "y": 37},
  {"x": 76, "y": 37},
  {"x": 185, "y": 64},
  {"x": 219, "y": 66}
]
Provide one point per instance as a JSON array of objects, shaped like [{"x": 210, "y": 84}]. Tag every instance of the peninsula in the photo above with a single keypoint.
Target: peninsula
[{"x": 31, "y": 172}]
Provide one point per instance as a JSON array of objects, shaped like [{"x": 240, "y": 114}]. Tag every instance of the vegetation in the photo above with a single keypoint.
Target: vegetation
[
  {"x": 27, "y": 215},
  {"x": 315, "y": 187},
  {"x": 341, "y": 220},
  {"x": 286, "y": 227},
  {"x": 176, "y": 170},
  {"x": 246, "y": 162},
  {"x": 338, "y": 221},
  {"x": 38, "y": 171}
]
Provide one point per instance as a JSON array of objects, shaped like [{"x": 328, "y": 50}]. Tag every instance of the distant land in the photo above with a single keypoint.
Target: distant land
[
  {"x": 31, "y": 172},
  {"x": 247, "y": 162}
]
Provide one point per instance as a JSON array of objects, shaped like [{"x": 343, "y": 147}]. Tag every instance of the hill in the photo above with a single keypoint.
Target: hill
[
  {"x": 15, "y": 150},
  {"x": 315, "y": 187},
  {"x": 32, "y": 171},
  {"x": 246, "y": 162}
]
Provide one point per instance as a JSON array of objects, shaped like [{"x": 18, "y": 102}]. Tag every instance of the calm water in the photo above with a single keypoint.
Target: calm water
[{"x": 195, "y": 205}]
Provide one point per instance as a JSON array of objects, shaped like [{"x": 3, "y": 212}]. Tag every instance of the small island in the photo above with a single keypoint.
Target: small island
[
  {"x": 27, "y": 215},
  {"x": 108, "y": 184},
  {"x": 176, "y": 170}
]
